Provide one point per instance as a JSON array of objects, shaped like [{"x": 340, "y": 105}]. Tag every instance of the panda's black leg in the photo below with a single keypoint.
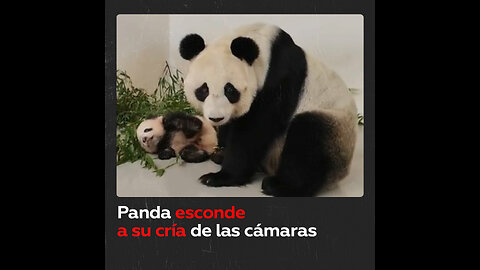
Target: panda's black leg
[
  {"x": 222, "y": 135},
  {"x": 217, "y": 156},
  {"x": 243, "y": 145},
  {"x": 305, "y": 160},
  {"x": 192, "y": 154},
  {"x": 166, "y": 153}
]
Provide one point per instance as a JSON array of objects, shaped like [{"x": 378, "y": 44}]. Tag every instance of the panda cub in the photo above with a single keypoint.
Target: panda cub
[
  {"x": 276, "y": 106},
  {"x": 190, "y": 137}
]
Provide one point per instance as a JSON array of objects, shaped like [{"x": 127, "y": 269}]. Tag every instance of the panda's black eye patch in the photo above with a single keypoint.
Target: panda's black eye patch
[
  {"x": 232, "y": 94},
  {"x": 202, "y": 92},
  {"x": 148, "y": 129}
]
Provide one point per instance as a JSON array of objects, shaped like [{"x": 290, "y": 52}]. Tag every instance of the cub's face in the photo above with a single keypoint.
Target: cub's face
[
  {"x": 149, "y": 133},
  {"x": 219, "y": 83}
]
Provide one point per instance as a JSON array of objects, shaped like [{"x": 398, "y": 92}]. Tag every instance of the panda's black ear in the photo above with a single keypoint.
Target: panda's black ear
[
  {"x": 191, "y": 46},
  {"x": 245, "y": 49}
]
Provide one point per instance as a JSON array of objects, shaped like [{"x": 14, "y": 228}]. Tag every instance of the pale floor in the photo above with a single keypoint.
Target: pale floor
[{"x": 181, "y": 180}]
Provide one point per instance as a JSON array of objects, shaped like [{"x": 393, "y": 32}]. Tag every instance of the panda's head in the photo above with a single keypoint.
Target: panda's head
[
  {"x": 221, "y": 82},
  {"x": 149, "y": 133}
]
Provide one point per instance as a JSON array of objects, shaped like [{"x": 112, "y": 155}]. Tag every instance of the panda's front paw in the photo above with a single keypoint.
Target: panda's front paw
[
  {"x": 218, "y": 179},
  {"x": 212, "y": 179},
  {"x": 166, "y": 153}
]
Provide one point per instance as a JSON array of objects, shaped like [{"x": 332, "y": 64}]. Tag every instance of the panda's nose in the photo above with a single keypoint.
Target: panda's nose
[
  {"x": 216, "y": 119},
  {"x": 145, "y": 139}
]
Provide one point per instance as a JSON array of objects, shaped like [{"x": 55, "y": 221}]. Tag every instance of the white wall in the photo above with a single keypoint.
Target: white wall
[
  {"x": 146, "y": 41},
  {"x": 142, "y": 48}
]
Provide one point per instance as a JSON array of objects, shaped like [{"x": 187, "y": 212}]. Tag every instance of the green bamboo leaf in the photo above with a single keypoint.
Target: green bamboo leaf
[
  {"x": 135, "y": 104},
  {"x": 159, "y": 172},
  {"x": 149, "y": 161}
]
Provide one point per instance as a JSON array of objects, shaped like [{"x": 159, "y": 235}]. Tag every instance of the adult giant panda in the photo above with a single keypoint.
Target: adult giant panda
[{"x": 275, "y": 106}]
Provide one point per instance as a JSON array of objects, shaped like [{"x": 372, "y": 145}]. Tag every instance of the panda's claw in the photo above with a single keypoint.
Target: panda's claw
[
  {"x": 220, "y": 179},
  {"x": 206, "y": 178},
  {"x": 217, "y": 179}
]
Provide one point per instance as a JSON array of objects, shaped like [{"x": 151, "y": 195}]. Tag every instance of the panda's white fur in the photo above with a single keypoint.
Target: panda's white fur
[
  {"x": 206, "y": 139},
  {"x": 324, "y": 93}
]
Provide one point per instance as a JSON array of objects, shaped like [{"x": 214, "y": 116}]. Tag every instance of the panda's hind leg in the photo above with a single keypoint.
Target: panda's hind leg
[{"x": 309, "y": 157}]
